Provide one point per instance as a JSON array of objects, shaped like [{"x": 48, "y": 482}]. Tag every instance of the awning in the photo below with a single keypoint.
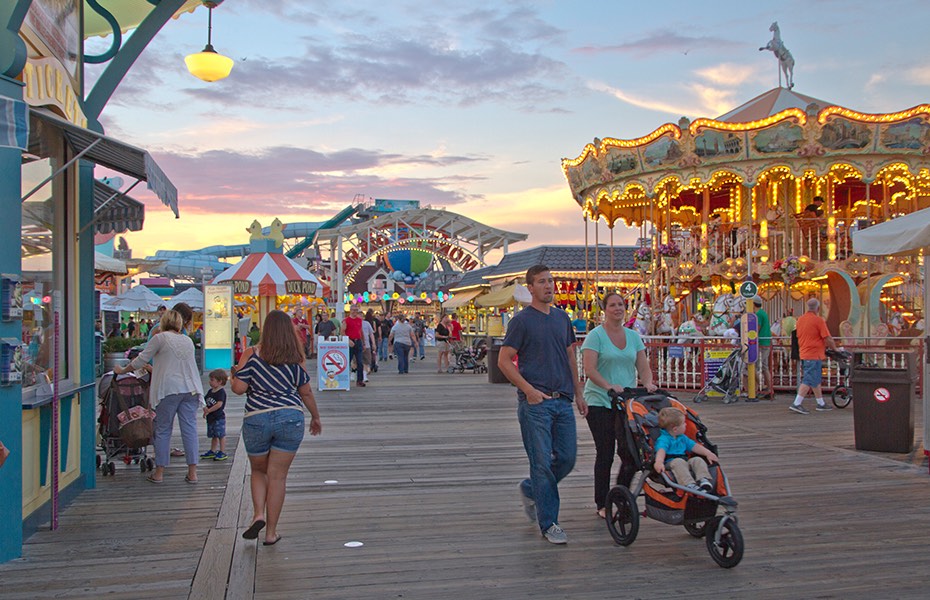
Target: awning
[
  {"x": 104, "y": 151},
  {"x": 460, "y": 299},
  {"x": 505, "y": 296},
  {"x": 108, "y": 264},
  {"x": 115, "y": 212},
  {"x": 903, "y": 235}
]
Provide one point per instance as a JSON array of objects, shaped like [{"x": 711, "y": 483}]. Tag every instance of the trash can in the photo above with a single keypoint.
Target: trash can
[
  {"x": 883, "y": 402},
  {"x": 495, "y": 375}
]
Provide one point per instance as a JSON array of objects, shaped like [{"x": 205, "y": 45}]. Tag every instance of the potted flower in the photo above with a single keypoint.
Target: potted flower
[
  {"x": 790, "y": 268},
  {"x": 643, "y": 257},
  {"x": 670, "y": 253}
]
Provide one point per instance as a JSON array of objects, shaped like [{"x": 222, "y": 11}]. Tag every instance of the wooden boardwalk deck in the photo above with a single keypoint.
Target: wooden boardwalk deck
[{"x": 426, "y": 469}]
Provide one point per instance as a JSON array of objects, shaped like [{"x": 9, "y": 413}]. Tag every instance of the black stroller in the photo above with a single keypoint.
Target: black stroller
[
  {"x": 125, "y": 422},
  {"x": 726, "y": 380},
  {"x": 665, "y": 500},
  {"x": 469, "y": 358}
]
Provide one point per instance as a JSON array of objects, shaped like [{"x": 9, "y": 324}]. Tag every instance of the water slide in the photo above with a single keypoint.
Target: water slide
[{"x": 194, "y": 263}]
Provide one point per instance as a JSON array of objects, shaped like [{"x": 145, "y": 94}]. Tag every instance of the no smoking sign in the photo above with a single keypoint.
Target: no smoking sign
[
  {"x": 334, "y": 361},
  {"x": 882, "y": 394}
]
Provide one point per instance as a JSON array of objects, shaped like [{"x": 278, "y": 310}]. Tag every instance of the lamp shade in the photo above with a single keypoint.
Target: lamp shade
[{"x": 209, "y": 65}]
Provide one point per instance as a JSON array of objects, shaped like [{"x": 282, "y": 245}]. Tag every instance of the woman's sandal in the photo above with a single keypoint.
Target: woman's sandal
[
  {"x": 276, "y": 540},
  {"x": 252, "y": 532}
]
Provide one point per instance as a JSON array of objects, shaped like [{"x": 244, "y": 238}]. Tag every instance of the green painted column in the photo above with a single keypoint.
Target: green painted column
[
  {"x": 12, "y": 60},
  {"x": 85, "y": 314}
]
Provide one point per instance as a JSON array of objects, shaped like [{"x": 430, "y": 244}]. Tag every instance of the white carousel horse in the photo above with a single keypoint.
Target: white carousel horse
[
  {"x": 736, "y": 306},
  {"x": 689, "y": 331},
  {"x": 785, "y": 60},
  {"x": 665, "y": 325},
  {"x": 643, "y": 323},
  {"x": 719, "y": 320}
]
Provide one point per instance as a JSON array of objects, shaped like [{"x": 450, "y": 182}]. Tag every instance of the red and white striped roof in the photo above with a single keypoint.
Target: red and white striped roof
[{"x": 268, "y": 272}]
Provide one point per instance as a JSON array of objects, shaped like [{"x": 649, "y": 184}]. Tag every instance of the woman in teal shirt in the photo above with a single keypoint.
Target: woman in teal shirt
[{"x": 613, "y": 356}]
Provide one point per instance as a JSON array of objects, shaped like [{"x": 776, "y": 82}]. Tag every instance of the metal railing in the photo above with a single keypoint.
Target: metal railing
[{"x": 688, "y": 367}]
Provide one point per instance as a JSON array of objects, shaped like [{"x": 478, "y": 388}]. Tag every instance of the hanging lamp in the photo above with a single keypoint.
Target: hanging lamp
[{"x": 209, "y": 65}]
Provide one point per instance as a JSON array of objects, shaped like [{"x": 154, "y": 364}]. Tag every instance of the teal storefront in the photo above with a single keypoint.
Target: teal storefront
[{"x": 50, "y": 142}]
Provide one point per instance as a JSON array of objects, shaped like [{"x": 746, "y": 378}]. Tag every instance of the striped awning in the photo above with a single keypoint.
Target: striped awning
[
  {"x": 116, "y": 213},
  {"x": 268, "y": 274},
  {"x": 14, "y": 124},
  {"x": 104, "y": 151}
]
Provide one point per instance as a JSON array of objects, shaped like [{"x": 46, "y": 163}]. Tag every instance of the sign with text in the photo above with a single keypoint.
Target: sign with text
[
  {"x": 300, "y": 287},
  {"x": 241, "y": 286},
  {"x": 333, "y": 372},
  {"x": 218, "y": 323}
]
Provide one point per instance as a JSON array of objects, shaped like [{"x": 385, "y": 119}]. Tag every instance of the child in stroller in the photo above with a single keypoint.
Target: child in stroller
[
  {"x": 672, "y": 447},
  {"x": 469, "y": 358},
  {"x": 667, "y": 500}
]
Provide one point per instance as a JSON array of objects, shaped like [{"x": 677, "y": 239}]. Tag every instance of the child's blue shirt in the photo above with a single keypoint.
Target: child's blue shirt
[{"x": 674, "y": 445}]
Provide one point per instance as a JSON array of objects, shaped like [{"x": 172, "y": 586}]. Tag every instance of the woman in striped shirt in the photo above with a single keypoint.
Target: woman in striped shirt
[{"x": 277, "y": 387}]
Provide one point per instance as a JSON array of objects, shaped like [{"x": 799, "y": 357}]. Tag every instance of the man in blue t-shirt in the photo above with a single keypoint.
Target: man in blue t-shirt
[{"x": 541, "y": 338}]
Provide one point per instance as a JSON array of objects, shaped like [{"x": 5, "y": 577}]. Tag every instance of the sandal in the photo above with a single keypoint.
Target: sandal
[
  {"x": 276, "y": 540},
  {"x": 177, "y": 452},
  {"x": 151, "y": 479},
  {"x": 252, "y": 532}
]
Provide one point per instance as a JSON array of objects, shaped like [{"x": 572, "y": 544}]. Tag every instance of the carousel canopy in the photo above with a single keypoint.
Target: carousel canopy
[
  {"x": 271, "y": 274},
  {"x": 769, "y": 104}
]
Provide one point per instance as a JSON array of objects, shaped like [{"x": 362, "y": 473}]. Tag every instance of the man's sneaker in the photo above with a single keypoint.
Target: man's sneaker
[
  {"x": 208, "y": 454},
  {"x": 706, "y": 485},
  {"x": 555, "y": 535},
  {"x": 220, "y": 456},
  {"x": 799, "y": 409},
  {"x": 693, "y": 487},
  {"x": 529, "y": 506},
  {"x": 823, "y": 407}
]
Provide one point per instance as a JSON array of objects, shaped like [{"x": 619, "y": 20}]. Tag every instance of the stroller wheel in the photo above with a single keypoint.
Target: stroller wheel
[
  {"x": 111, "y": 467},
  {"x": 696, "y": 529},
  {"x": 841, "y": 397},
  {"x": 700, "y": 398},
  {"x": 622, "y": 515},
  {"x": 729, "y": 550},
  {"x": 150, "y": 463},
  {"x": 99, "y": 461},
  {"x": 142, "y": 466}
]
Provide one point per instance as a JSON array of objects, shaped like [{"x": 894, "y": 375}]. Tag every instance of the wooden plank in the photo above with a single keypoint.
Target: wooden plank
[{"x": 213, "y": 569}]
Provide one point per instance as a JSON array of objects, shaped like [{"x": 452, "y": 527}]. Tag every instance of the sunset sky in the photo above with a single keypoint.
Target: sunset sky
[{"x": 468, "y": 108}]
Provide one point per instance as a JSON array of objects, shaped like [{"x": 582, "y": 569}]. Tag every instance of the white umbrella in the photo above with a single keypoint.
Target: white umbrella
[
  {"x": 193, "y": 297},
  {"x": 139, "y": 298}
]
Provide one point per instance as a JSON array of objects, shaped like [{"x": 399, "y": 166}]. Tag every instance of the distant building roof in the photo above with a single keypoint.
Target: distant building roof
[{"x": 557, "y": 258}]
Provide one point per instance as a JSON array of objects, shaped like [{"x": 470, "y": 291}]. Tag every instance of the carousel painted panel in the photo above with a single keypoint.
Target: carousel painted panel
[
  {"x": 586, "y": 174},
  {"x": 715, "y": 146},
  {"x": 663, "y": 152},
  {"x": 782, "y": 138},
  {"x": 621, "y": 162},
  {"x": 913, "y": 134},
  {"x": 844, "y": 134}
]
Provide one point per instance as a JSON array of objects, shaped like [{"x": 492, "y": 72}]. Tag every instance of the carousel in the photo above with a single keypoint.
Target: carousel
[{"x": 771, "y": 191}]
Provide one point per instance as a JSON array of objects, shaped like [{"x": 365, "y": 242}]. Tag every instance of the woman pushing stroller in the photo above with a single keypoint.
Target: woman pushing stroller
[{"x": 613, "y": 356}]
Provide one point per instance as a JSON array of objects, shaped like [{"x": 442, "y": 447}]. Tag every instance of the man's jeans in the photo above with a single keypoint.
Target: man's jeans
[
  {"x": 383, "y": 349},
  {"x": 403, "y": 357},
  {"x": 550, "y": 441},
  {"x": 422, "y": 347}
]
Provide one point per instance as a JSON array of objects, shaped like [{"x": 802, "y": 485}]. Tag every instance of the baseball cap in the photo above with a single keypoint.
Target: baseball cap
[{"x": 757, "y": 300}]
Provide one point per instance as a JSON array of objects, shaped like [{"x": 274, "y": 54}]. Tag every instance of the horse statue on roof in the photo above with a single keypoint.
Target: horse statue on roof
[{"x": 785, "y": 60}]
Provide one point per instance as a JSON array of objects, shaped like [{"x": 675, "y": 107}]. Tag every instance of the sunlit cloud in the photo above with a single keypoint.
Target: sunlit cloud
[
  {"x": 647, "y": 103},
  {"x": 728, "y": 74},
  {"x": 662, "y": 41}
]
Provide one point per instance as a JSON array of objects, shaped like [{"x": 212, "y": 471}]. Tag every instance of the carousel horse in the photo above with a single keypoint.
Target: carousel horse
[
  {"x": 689, "y": 331},
  {"x": 719, "y": 320},
  {"x": 665, "y": 325},
  {"x": 643, "y": 323},
  {"x": 785, "y": 60},
  {"x": 736, "y": 306}
]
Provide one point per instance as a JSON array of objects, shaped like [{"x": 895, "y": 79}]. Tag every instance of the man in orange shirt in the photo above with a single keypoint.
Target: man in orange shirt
[{"x": 813, "y": 339}]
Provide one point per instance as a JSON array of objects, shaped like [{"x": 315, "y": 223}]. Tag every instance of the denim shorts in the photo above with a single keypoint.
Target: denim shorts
[
  {"x": 216, "y": 429},
  {"x": 812, "y": 372},
  {"x": 281, "y": 430}
]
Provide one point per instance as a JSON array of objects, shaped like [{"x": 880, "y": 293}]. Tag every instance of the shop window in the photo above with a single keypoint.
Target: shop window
[{"x": 44, "y": 260}]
